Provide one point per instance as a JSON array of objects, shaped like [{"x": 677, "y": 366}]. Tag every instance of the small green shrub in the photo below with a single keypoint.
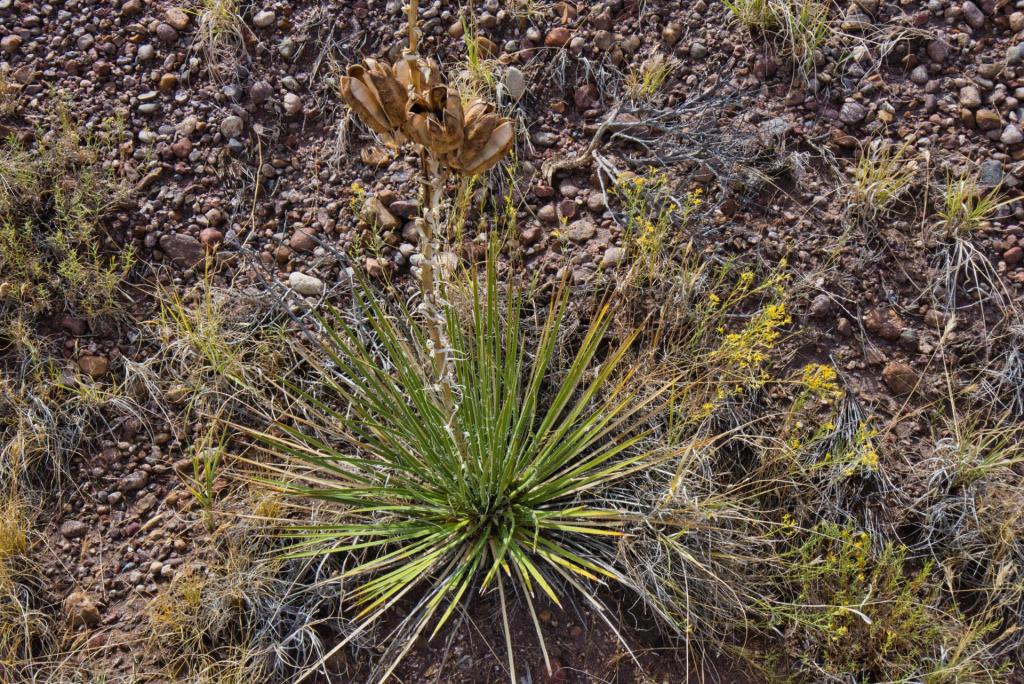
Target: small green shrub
[
  {"x": 880, "y": 180},
  {"x": 796, "y": 28},
  {"x": 849, "y": 613},
  {"x": 646, "y": 80},
  {"x": 965, "y": 207},
  {"x": 53, "y": 198}
]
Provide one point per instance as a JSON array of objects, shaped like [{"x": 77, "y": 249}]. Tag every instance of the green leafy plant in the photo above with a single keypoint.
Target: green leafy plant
[
  {"x": 647, "y": 79},
  {"x": 852, "y": 613},
  {"x": 505, "y": 488},
  {"x": 207, "y": 456},
  {"x": 965, "y": 208},
  {"x": 753, "y": 14},
  {"x": 881, "y": 178},
  {"x": 53, "y": 197},
  {"x": 796, "y": 28},
  {"x": 479, "y": 77}
]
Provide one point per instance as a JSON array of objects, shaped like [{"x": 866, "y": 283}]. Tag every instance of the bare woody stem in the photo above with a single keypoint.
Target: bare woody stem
[
  {"x": 412, "y": 10},
  {"x": 431, "y": 186},
  {"x": 430, "y": 189}
]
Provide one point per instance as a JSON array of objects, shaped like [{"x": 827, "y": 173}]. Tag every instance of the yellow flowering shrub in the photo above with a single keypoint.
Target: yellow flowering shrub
[
  {"x": 856, "y": 614},
  {"x": 651, "y": 218},
  {"x": 820, "y": 380},
  {"x": 736, "y": 345},
  {"x": 747, "y": 348}
]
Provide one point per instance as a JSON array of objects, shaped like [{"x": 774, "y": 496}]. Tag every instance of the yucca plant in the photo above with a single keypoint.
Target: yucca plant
[{"x": 506, "y": 491}]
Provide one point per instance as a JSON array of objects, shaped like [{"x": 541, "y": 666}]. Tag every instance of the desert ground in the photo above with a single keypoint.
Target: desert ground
[{"x": 646, "y": 341}]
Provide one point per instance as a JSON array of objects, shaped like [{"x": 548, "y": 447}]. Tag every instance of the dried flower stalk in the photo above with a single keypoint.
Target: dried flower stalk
[{"x": 406, "y": 102}]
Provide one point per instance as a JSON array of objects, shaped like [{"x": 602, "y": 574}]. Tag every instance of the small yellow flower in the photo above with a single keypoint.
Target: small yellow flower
[{"x": 820, "y": 379}]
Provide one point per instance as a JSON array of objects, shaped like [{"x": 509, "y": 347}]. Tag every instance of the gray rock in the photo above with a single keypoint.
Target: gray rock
[
  {"x": 264, "y": 18},
  {"x": 232, "y": 126},
  {"x": 73, "y": 529},
  {"x": 613, "y": 256},
  {"x": 166, "y": 33},
  {"x": 306, "y": 285},
  {"x": 919, "y": 75},
  {"x": 545, "y": 138},
  {"x": 970, "y": 97},
  {"x": 991, "y": 70},
  {"x": 1011, "y": 135},
  {"x": 938, "y": 50},
  {"x": 260, "y": 92},
  {"x": 184, "y": 250},
  {"x": 288, "y": 48},
  {"x": 908, "y": 340},
  {"x": 133, "y": 482},
  {"x": 821, "y": 306},
  {"x": 852, "y": 112},
  {"x": 292, "y": 104},
  {"x": 581, "y": 230},
  {"x": 974, "y": 17},
  {"x": 514, "y": 82},
  {"x": 990, "y": 173}
]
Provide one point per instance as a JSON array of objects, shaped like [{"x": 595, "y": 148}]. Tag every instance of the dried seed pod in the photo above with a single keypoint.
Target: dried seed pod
[
  {"x": 407, "y": 100},
  {"x": 362, "y": 98},
  {"x": 392, "y": 95},
  {"x": 436, "y": 120},
  {"x": 417, "y": 75},
  {"x": 497, "y": 145},
  {"x": 487, "y": 138},
  {"x": 376, "y": 96}
]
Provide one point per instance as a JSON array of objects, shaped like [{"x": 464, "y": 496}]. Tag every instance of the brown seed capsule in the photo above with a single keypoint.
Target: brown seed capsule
[
  {"x": 376, "y": 97},
  {"x": 407, "y": 100},
  {"x": 436, "y": 120},
  {"x": 417, "y": 75},
  {"x": 392, "y": 95},
  {"x": 363, "y": 99},
  {"x": 487, "y": 138},
  {"x": 498, "y": 143}
]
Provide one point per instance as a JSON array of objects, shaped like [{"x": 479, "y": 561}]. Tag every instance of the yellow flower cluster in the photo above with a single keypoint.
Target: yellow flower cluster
[
  {"x": 862, "y": 454},
  {"x": 747, "y": 349},
  {"x": 651, "y": 215},
  {"x": 819, "y": 379},
  {"x": 355, "y": 204}
]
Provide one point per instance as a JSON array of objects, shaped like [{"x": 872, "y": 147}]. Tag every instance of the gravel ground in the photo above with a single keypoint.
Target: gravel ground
[{"x": 238, "y": 146}]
